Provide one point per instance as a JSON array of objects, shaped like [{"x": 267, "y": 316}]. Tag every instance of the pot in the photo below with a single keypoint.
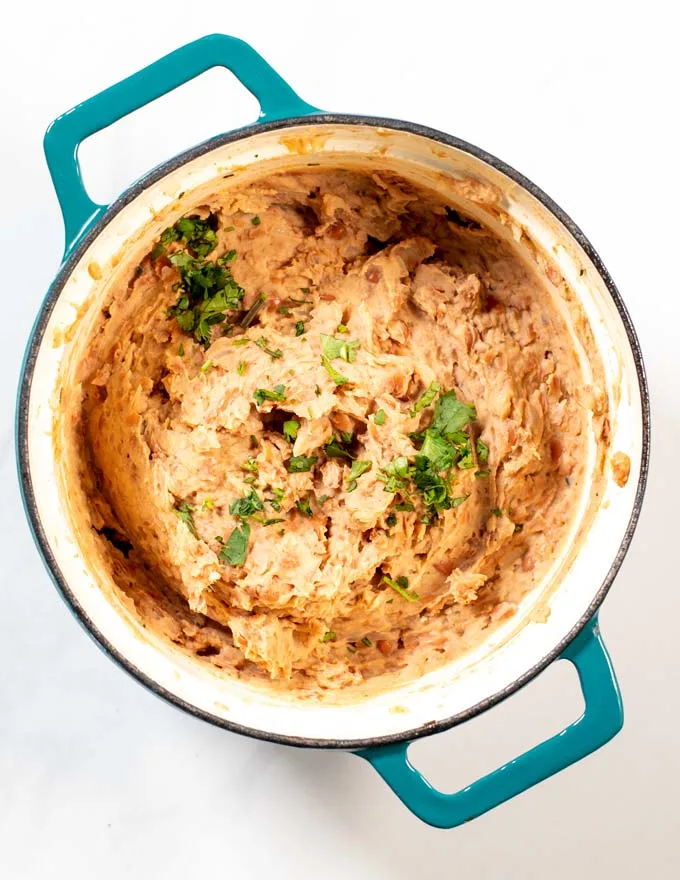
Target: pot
[{"x": 553, "y": 622}]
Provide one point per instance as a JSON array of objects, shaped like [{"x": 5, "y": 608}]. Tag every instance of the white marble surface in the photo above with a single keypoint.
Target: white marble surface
[{"x": 98, "y": 778}]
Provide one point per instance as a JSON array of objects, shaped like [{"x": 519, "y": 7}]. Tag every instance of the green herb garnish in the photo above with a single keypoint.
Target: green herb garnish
[
  {"x": 278, "y": 395},
  {"x": 329, "y": 636},
  {"x": 304, "y": 505},
  {"x": 242, "y": 367},
  {"x": 335, "y": 449},
  {"x": 339, "y": 348},
  {"x": 401, "y": 586},
  {"x": 275, "y": 502},
  {"x": 180, "y": 350},
  {"x": 427, "y": 399},
  {"x": 358, "y": 468},
  {"x": 456, "y": 502},
  {"x": 496, "y": 511},
  {"x": 299, "y": 328},
  {"x": 391, "y": 520},
  {"x": 299, "y": 464},
  {"x": 246, "y": 506},
  {"x": 186, "y": 513},
  {"x": 234, "y": 552},
  {"x": 380, "y": 417},
  {"x": 250, "y": 465},
  {"x": 208, "y": 365},
  {"x": 338, "y": 378},
  {"x": 274, "y": 354},
  {"x": 290, "y": 430},
  {"x": 366, "y": 641},
  {"x": 208, "y": 504},
  {"x": 256, "y": 221}
]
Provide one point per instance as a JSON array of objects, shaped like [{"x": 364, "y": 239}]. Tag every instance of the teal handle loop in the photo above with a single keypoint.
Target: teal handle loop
[
  {"x": 601, "y": 720},
  {"x": 276, "y": 98}
]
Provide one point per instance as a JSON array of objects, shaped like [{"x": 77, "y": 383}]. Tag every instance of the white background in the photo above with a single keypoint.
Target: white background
[{"x": 100, "y": 779}]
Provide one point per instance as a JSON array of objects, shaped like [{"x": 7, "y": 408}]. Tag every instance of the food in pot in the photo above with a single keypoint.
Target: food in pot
[{"x": 330, "y": 430}]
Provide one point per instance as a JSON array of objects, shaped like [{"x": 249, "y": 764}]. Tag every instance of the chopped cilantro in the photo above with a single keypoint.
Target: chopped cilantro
[
  {"x": 391, "y": 520},
  {"x": 322, "y": 500},
  {"x": 208, "y": 504},
  {"x": 242, "y": 367},
  {"x": 482, "y": 473},
  {"x": 180, "y": 350},
  {"x": 298, "y": 464},
  {"x": 339, "y": 348},
  {"x": 358, "y": 468},
  {"x": 197, "y": 234},
  {"x": 263, "y": 521},
  {"x": 380, "y": 417},
  {"x": 242, "y": 340},
  {"x": 366, "y": 641},
  {"x": 335, "y": 449},
  {"x": 246, "y": 506},
  {"x": 304, "y": 505},
  {"x": 283, "y": 310},
  {"x": 186, "y": 513},
  {"x": 404, "y": 506},
  {"x": 290, "y": 429},
  {"x": 317, "y": 391},
  {"x": 519, "y": 527},
  {"x": 208, "y": 365},
  {"x": 235, "y": 550},
  {"x": 299, "y": 328},
  {"x": 158, "y": 250},
  {"x": 401, "y": 586},
  {"x": 207, "y": 292},
  {"x": 451, "y": 415},
  {"x": 278, "y": 395},
  {"x": 427, "y": 399},
  {"x": 229, "y": 228},
  {"x": 496, "y": 511},
  {"x": 456, "y": 502},
  {"x": 256, "y": 221},
  {"x": 338, "y": 378},
  {"x": 342, "y": 328},
  {"x": 273, "y": 354},
  {"x": 275, "y": 502},
  {"x": 250, "y": 465},
  {"x": 329, "y": 636}
]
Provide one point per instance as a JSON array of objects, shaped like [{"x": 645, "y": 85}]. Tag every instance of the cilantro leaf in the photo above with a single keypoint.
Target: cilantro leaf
[
  {"x": 427, "y": 399},
  {"x": 338, "y": 378},
  {"x": 290, "y": 430},
  {"x": 186, "y": 513},
  {"x": 234, "y": 552},
  {"x": 246, "y": 506},
  {"x": 329, "y": 636},
  {"x": 299, "y": 328},
  {"x": 358, "y": 468},
  {"x": 252, "y": 312},
  {"x": 339, "y": 348},
  {"x": 299, "y": 464},
  {"x": 335, "y": 449},
  {"x": 380, "y": 417},
  {"x": 401, "y": 586},
  {"x": 304, "y": 505},
  {"x": 273, "y": 354},
  {"x": 452, "y": 415},
  {"x": 278, "y": 395},
  {"x": 438, "y": 451}
]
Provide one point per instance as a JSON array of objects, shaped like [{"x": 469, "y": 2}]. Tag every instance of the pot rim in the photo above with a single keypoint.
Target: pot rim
[{"x": 74, "y": 255}]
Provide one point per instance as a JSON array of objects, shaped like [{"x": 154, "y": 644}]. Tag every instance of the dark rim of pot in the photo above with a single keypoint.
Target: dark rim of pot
[{"x": 37, "y": 335}]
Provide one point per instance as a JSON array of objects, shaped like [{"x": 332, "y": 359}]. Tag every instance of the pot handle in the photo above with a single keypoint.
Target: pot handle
[
  {"x": 63, "y": 137},
  {"x": 601, "y": 720}
]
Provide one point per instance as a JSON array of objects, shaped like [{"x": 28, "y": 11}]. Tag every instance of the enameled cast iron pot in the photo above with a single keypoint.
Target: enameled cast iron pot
[{"x": 378, "y": 729}]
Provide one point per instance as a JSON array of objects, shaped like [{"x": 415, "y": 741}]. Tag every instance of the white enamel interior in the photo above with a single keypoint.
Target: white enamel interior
[{"x": 512, "y": 650}]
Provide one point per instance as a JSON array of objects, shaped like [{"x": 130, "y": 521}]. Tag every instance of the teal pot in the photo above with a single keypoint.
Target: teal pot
[{"x": 514, "y": 654}]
